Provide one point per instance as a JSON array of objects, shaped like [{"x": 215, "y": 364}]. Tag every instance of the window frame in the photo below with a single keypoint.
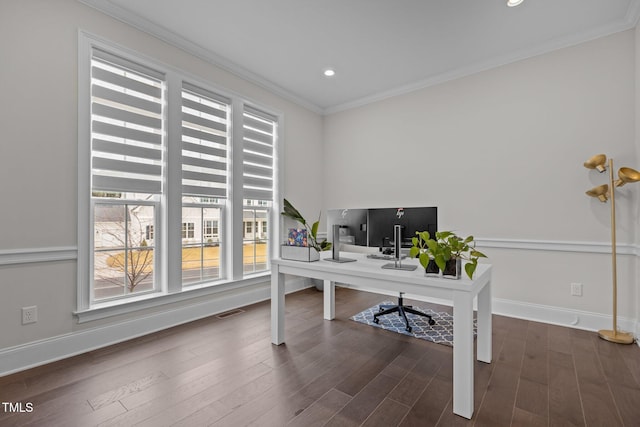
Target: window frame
[
  {"x": 156, "y": 250},
  {"x": 168, "y": 213}
]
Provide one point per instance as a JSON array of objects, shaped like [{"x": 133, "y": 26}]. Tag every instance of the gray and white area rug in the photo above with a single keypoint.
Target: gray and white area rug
[{"x": 440, "y": 333}]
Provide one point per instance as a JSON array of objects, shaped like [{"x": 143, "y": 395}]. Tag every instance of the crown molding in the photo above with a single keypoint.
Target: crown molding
[
  {"x": 169, "y": 37},
  {"x": 105, "y": 6},
  {"x": 630, "y": 21}
]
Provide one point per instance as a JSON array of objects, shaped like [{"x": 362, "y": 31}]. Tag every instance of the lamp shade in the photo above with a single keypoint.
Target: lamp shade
[
  {"x": 627, "y": 175},
  {"x": 597, "y": 162},
  {"x": 600, "y": 192}
]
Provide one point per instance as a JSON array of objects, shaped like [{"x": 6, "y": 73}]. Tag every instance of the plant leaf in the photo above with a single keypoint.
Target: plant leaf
[
  {"x": 470, "y": 268},
  {"x": 478, "y": 254},
  {"x": 424, "y": 259},
  {"x": 325, "y": 245},
  {"x": 291, "y": 212}
]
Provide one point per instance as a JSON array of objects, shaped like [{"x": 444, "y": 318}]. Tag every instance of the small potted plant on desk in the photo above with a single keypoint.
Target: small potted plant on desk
[
  {"x": 302, "y": 245},
  {"x": 445, "y": 253}
]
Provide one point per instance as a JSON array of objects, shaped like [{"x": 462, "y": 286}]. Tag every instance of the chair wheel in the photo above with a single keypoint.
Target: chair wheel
[
  {"x": 376, "y": 320},
  {"x": 408, "y": 329},
  {"x": 432, "y": 322}
]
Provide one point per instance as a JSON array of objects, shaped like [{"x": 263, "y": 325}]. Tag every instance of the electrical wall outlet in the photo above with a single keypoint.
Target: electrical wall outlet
[
  {"x": 29, "y": 314},
  {"x": 576, "y": 289}
]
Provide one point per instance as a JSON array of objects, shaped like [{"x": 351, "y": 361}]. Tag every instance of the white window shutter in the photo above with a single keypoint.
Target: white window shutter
[
  {"x": 205, "y": 137},
  {"x": 259, "y": 139},
  {"x": 126, "y": 125}
]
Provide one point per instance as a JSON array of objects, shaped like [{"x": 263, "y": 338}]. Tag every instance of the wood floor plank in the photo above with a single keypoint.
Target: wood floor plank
[
  {"x": 122, "y": 392},
  {"x": 629, "y": 354},
  {"x": 522, "y": 418},
  {"x": 388, "y": 414},
  {"x": 565, "y": 406},
  {"x": 322, "y": 410},
  {"x": 499, "y": 401},
  {"x": 558, "y": 339},
  {"x": 534, "y": 363},
  {"x": 613, "y": 365},
  {"x": 598, "y": 405},
  {"x": 225, "y": 372},
  {"x": 360, "y": 378},
  {"x": 428, "y": 409},
  {"x": 533, "y": 397},
  {"x": 364, "y": 403},
  {"x": 281, "y": 404},
  {"x": 203, "y": 416},
  {"x": 627, "y": 402},
  {"x": 449, "y": 419}
]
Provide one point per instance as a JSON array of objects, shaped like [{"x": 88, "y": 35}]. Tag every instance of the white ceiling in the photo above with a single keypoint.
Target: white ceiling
[{"x": 377, "y": 47}]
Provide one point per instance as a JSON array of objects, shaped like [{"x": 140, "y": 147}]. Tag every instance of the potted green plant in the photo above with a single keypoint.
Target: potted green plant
[
  {"x": 312, "y": 230},
  {"x": 421, "y": 251},
  {"x": 447, "y": 251}
]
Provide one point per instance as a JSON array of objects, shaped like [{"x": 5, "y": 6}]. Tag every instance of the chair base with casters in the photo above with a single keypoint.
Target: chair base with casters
[{"x": 401, "y": 309}]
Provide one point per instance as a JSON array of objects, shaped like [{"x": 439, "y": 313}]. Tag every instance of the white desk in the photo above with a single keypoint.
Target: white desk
[{"x": 368, "y": 272}]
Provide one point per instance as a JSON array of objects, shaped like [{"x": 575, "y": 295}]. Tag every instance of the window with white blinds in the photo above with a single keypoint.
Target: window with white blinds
[
  {"x": 259, "y": 137},
  {"x": 205, "y": 133},
  {"x": 156, "y": 151},
  {"x": 126, "y": 125}
]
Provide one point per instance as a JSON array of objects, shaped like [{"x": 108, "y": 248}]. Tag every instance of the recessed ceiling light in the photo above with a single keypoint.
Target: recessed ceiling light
[
  {"x": 329, "y": 72},
  {"x": 512, "y": 3}
]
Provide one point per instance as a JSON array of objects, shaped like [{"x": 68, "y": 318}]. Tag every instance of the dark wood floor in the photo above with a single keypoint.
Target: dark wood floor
[{"x": 225, "y": 372}]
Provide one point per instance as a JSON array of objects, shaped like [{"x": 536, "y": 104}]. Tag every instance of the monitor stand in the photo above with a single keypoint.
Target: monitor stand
[
  {"x": 336, "y": 247},
  {"x": 397, "y": 248},
  {"x": 397, "y": 265}
]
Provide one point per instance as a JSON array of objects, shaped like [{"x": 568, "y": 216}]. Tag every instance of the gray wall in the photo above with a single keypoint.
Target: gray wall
[
  {"x": 500, "y": 153},
  {"x": 38, "y": 161}
]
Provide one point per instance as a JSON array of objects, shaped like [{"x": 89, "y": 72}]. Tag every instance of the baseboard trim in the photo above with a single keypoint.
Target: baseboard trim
[
  {"x": 19, "y": 358},
  {"x": 578, "y": 319}
]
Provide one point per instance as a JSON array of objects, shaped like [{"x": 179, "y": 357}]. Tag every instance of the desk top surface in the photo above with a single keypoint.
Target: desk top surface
[{"x": 372, "y": 269}]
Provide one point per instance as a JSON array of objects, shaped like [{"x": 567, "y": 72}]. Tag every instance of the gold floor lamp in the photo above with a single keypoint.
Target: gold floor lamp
[{"x": 603, "y": 193}]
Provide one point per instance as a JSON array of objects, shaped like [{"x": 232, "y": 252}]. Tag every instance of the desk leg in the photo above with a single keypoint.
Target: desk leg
[
  {"x": 462, "y": 354},
  {"x": 484, "y": 324},
  {"x": 329, "y": 300},
  {"x": 277, "y": 306}
]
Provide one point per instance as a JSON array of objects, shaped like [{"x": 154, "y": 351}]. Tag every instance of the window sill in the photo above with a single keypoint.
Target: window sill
[{"x": 117, "y": 308}]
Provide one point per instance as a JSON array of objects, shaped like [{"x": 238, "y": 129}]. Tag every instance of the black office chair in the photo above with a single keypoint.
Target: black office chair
[{"x": 402, "y": 310}]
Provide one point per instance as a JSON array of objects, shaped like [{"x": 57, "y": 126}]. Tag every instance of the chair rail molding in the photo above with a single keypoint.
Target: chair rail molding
[
  {"x": 70, "y": 253},
  {"x": 33, "y": 255},
  {"x": 558, "y": 245}
]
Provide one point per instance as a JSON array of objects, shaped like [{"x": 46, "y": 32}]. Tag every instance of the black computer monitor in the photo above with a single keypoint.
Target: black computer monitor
[
  {"x": 353, "y": 225},
  {"x": 374, "y": 227},
  {"x": 381, "y": 223}
]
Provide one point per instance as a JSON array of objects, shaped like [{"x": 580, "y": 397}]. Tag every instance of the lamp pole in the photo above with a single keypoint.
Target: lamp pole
[{"x": 614, "y": 263}]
